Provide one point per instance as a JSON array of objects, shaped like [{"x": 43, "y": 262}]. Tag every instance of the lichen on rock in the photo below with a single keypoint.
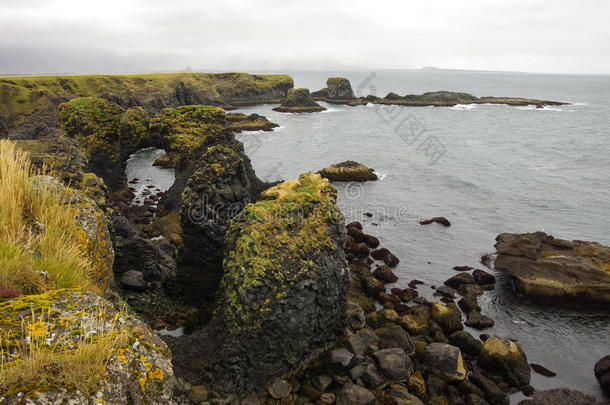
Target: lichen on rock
[
  {"x": 283, "y": 292},
  {"x": 55, "y": 333}
]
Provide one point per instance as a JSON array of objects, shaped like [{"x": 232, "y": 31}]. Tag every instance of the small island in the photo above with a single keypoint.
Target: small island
[{"x": 299, "y": 101}]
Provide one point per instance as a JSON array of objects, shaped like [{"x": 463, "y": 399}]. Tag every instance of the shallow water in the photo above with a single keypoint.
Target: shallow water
[
  {"x": 140, "y": 166},
  {"x": 504, "y": 169}
]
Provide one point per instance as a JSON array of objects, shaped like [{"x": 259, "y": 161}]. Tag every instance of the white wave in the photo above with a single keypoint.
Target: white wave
[
  {"x": 381, "y": 176},
  {"x": 330, "y": 110},
  {"x": 464, "y": 107},
  {"x": 580, "y": 104}
]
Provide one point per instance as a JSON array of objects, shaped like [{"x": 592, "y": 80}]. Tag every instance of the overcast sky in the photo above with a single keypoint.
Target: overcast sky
[{"x": 82, "y": 36}]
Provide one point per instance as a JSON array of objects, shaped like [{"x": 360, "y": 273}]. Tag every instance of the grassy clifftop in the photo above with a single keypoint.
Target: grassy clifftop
[{"x": 35, "y": 98}]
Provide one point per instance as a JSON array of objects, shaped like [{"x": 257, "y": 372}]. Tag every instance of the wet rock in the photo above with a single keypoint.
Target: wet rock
[
  {"x": 466, "y": 289},
  {"x": 354, "y": 224},
  {"x": 409, "y": 294},
  {"x": 384, "y": 273},
  {"x": 417, "y": 384},
  {"x": 462, "y": 268},
  {"x": 414, "y": 283},
  {"x": 542, "y": 370},
  {"x": 467, "y": 343},
  {"x": 478, "y": 321},
  {"x": 400, "y": 396},
  {"x": 493, "y": 394},
  {"x": 506, "y": 359},
  {"x": 560, "y": 396},
  {"x": 279, "y": 388},
  {"x": 445, "y": 361},
  {"x": 198, "y": 393},
  {"x": 474, "y": 399},
  {"x": 447, "y": 316},
  {"x": 371, "y": 241},
  {"x": 250, "y": 400},
  {"x": 460, "y": 279},
  {"x": 133, "y": 280},
  {"x": 396, "y": 337},
  {"x": 602, "y": 373},
  {"x": 483, "y": 278},
  {"x": 440, "y": 220},
  {"x": 327, "y": 398},
  {"x": 355, "y": 316},
  {"x": 352, "y": 394},
  {"x": 348, "y": 171},
  {"x": 385, "y": 255},
  {"x": 394, "y": 363},
  {"x": 413, "y": 324},
  {"x": 469, "y": 303},
  {"x": 445, "y": 291},
  {"x": 373, "y": 286},
  {"x": 558, "y": 269},
  {"x": 322, "y": 381}
]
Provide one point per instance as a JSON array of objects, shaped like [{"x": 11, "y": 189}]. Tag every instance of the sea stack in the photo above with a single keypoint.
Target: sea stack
[{"x": 299, "y": 101}]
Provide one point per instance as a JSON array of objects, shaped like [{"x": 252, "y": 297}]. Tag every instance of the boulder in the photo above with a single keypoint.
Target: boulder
[
  {"x": 394, "y": 363},
  {"x": 555, "y": 269},
  {"x": 460, "y": 279},
  {"x": 125, "y": 362},
  {"x": 447, "y": 316},
  {"x": 560, "y": 396},
  {"x": 492, "y": 392},
  {"x": 478, "y": 321},
  {"x": 339, "y": 88},
  {"x": 384, "y": 273},
  {"x": 348, "y": 171},
  {"x": 386, "y": 256},
  {"x": 467, "y": 343},
  {"x": 469, "y": 303},
  {"x": 283, "y": 294},
  {"x": 352, "y": 394},
  {"x": 445, "y": 361},
  {"x": 506, "y": 359},
  {"x": 133, "y": 280},
  {"x": 299, "y": 101},
  {"x": 396, "y": 337},
  {"x": 482, "y": 277},
  {"x": 602, "y": 373}
]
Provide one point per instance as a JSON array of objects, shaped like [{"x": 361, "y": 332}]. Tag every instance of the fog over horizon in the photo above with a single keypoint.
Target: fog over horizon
[{"x": 69, "y": 36}]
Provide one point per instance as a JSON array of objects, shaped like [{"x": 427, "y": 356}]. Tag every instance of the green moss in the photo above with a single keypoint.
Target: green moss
[
  {"x": 183, "y": 131},
  {"x": 23, "y": 96},
  {"x": 272, "y": 243}
]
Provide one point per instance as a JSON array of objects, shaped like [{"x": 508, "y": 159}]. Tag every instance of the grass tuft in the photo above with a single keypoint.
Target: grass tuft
[{"x": 39, "y": 243}]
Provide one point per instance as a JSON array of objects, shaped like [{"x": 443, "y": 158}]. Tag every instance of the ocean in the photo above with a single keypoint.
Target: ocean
[{"x": 487, "y": 168}]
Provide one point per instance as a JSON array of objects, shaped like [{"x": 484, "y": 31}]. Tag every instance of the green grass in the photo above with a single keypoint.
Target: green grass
[{"x": 22, "y": 96}]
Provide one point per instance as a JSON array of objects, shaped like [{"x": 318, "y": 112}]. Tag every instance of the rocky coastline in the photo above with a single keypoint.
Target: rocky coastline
[{"x": 281, "y": 301}]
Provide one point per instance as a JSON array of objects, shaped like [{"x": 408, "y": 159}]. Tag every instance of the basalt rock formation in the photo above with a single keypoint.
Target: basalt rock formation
[
  {"x": 555, "y": 269},
  {"x": 348, "y": 171},
  {"x": 299, "y": 101},
  {"x": 32, "y": 102},
  {"x": 283, "y": 291},
  {"x": 238, "y": 122}
]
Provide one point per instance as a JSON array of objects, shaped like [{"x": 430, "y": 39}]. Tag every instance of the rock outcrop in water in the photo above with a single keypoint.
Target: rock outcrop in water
[
  {"x": 238, "y": 122},
  {"x": 556, "y": 269},
  {"x": 348, "y": 171},
  {"x": 283, "y": 291},
  {"x": 299, "y": 101}
]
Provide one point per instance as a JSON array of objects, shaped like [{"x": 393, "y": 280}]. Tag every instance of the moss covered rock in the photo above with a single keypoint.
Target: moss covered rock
[
  {"x": 219, "y": 188},
  {"x": 238, "y": 122},
  {"x": 348, "y": 171},
  {"x": 106, "y": 133},
  {"x": 299, "y": 101},
  {"x": 339, "y": 88},
  {"x": 184, "y": 132},
  {"x": 283, "y": 292},
  {"x": 506, "y": 359},
  {"x": 73, "y": 346}
]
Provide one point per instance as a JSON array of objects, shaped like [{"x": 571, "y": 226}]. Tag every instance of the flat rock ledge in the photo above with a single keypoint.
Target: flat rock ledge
[
  {"x": 556, "y": 269},
  {"x": 348, "y": 171}
]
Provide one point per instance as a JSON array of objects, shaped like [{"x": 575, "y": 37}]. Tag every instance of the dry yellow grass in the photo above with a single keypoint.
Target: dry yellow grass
[
  {"x": 38, "y": 233},
  {"x": 42, "y": 366}
]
